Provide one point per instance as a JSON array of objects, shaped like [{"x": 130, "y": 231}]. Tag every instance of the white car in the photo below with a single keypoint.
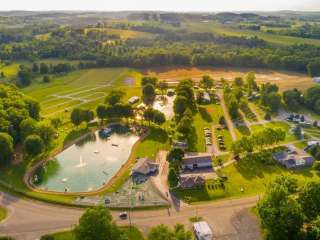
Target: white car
[{"x": 202, "y": 231}]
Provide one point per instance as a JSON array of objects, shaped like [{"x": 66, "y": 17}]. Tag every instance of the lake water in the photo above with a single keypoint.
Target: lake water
[{"x": 87, "y": 165}]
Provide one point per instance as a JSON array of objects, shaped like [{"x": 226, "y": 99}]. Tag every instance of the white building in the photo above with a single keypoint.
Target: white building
[
  {"x": 202, "y": 231},
  {"x": 316, "y": 79},
  {"x": 196, "y": 160}
]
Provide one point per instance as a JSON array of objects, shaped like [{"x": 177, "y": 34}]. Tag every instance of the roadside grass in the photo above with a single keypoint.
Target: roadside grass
[
  {"x": 3, "y": 213},
  {"x": 251, "y": 176},
  {"x": 130, "y": 233},
  {"x": 283, "y": 125}
]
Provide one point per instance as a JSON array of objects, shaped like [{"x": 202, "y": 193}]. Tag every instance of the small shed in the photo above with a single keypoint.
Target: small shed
[
  {"x": 134, "y": 100},
  {"x": 202, "y": 231}
]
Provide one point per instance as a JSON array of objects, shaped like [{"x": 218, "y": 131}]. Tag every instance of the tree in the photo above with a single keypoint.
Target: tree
[
  {"x": 222, "y": 121},
  {"x": 149, "y": 80},
  {"x": 96, "y": 224},
  {"x": 238, "y": 81},
  {"x": 46, "y": 79},
  {"x": 163, "y": 86},
  {"x": 176, "y": 154},
  {"x": 280, "y": 213},
  {"x": 180, "y": 105},
  {"x": 148, "y": 115},
  {"x": 76, "y": 116},
  {"x": 184, "y": 126},
  {"x": 87, "y": 115},
  {"x": 102, "y": 111},
  {"x": 33, "y": 145},
  {"x": 46, "y": 132},
  {"x": 6, "y": 146},
  {"x": 313, "y": 69},
  {"x": 25, "y": 76},
  {"x": 173, "y": 178},
  {"x": 293, "y": 99},
  {"x": 297, "y": 132},
  {"x": 206, "y": 82},
  {"x": 309, "y": 198},
  {"x": 114, "y": 97},
  {"x": 33, "y": 108},
  {"x": 161, "y": 232},
  {"x": 35, "y": 68},
  {"x": 44, "y": 69},
  {"x": 148, "y": 93},
  {"x": 159, "y": 118},
  {"x": 28, "y": 127},
  {"x": 251, "y": 82}
]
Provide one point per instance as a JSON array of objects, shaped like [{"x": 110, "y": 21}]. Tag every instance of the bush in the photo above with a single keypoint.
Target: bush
[{"x": 47, "y": 237}]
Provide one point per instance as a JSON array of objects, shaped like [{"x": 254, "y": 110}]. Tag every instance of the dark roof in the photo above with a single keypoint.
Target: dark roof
[
  {"x": 144, "y": 166},
  {"x": 196, "y": 158},
  {"x": 191, "y": 181}
]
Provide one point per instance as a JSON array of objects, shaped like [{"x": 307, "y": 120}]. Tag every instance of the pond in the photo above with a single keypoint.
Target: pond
[{"x": 88, "y": 164}]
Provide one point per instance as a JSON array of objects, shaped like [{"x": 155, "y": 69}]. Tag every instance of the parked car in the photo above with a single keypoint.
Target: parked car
[{"x": 123, "y": 215}]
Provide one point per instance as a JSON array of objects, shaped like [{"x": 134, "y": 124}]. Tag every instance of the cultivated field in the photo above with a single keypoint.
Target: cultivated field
[{"x": 285, "y": 80}]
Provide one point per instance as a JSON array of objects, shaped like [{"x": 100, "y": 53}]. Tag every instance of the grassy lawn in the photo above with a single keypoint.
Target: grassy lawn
[
  {"x": 251, "y": 176},
  {"x": 226, "y": 137},
  {"x": 202, "y": 119},
  {"x": 3, "y": 213},
  {"x": 283, "y": 125},
  {"x": 91, "y": 85},
  {"x": 10, "y": 71},
  {"x": 134, "y": 234},
  {"x": 257, "y": 110}
]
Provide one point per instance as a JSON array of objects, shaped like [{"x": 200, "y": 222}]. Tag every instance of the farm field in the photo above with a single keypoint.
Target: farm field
[
  {"x": 285, "y": 80},
  {"x": 81, "y": 88},
  {"x": 215, "y": 27},
  {"x": 124, "y": 34}
]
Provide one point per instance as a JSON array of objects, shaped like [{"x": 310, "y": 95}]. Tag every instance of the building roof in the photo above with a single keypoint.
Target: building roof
[
  {"x": 191, "y": 181},
  {"x": 202, "y": 229},
  {"x": 144, "y": 166},
  {"x": 133, "y": 99},
  {"x": 196, "y": 158}
]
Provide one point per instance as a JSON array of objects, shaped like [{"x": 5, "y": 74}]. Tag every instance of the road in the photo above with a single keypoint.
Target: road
[{"x": 230, "y": 219}]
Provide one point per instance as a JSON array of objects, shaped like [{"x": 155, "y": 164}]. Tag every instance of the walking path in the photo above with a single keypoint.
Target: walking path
[{"x": 227, "y": 117}]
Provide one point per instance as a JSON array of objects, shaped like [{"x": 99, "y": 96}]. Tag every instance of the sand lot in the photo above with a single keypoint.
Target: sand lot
[{"x": 285, "y": 80}]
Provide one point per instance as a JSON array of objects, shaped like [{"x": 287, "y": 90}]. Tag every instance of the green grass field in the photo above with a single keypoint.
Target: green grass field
[
  {"x": 252, "y": 176},
  {"x": 83, "y": 88},
  {"x": 3, "y": 213},
  {"x": 10, "y": 71},
  {"x": 130, "y": 233},
  {"x": 216, "y": 27}
]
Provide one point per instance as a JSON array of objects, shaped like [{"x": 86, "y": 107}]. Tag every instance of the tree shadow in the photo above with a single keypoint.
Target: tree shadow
[
  {"x": 205, "y": 114},
  {"x": 75, "y": 134},
  {"x": 192, "y": 139},
  {"x": 157, "y": 135}
]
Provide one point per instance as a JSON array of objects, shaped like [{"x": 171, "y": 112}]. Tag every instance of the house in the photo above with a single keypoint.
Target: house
[
  {"x": 316, "y": 79},
  {"x": 202, "y": 230},
  {"x": 206, "y": 97},
  {"x": 293, "y": 160},
  {"x": 145, "y": 166},
  {"x": 313, "y": 143},
  {"x": 196, "y": 160},
  {"x": 183, "y": 145},
  {"x": 187, "y": 181},
  {"x": 134, "y": 100}
]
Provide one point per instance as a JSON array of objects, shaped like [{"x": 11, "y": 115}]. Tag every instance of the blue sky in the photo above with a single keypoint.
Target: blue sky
[{"x": 169, "y": 5}]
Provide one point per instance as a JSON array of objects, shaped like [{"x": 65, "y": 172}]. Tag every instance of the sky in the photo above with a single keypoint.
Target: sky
[{"x": 166, "y": 5}]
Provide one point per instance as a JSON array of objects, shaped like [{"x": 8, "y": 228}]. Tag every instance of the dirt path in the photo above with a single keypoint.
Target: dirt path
[
  {"x": 160, "y": 182},
  {"x": 227, "y": 117}
]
